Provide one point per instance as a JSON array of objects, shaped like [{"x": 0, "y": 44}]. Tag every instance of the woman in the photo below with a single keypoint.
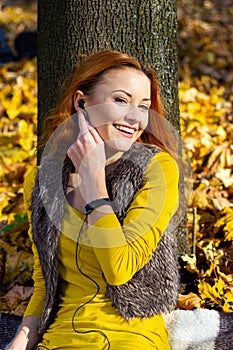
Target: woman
[{"x": 104, "y": 252}]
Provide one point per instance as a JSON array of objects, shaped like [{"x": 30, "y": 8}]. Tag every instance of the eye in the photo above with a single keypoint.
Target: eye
[
  {"x": 144, "y": 107},
  {"x": 120, "y": 100}
]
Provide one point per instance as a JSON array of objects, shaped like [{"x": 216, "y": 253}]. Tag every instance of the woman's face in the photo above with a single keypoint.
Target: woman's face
[{"x": 118, "y": 108}]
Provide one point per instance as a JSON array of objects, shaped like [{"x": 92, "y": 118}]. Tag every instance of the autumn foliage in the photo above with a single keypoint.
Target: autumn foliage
[{"x": 207, "y": 131}]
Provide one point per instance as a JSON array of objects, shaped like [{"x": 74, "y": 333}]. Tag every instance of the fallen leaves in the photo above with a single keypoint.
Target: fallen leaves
[
  {"x": 16, "y": 261},
  {"x": 189, "y": 302},
  {"x": 206, "y": 98},
  {"x": 220, "y": 294},
  {"x": 16, "y": 300},
  {"x": 18, "y": 107},
  {"x": 226, "y": 223}
]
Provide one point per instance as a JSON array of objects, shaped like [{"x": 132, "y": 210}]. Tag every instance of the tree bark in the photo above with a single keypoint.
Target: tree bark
[{"x": 145, "y": 29}]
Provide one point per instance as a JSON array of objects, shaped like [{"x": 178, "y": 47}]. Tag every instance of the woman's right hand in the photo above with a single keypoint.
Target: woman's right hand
[
  {"x": 89, "y": 159},
  {"x": 88, "y": 152}
]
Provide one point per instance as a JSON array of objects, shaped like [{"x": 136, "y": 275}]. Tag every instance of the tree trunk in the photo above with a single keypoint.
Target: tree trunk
[{"x": 145, "y": 29}]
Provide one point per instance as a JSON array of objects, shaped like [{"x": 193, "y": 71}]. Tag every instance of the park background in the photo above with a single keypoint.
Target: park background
[{"x": 205, "y": 52}]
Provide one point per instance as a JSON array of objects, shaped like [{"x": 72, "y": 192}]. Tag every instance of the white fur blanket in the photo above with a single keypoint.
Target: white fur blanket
[{"x": 200, "y": 329}]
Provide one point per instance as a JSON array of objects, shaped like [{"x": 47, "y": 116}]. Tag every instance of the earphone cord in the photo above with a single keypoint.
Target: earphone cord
[
  {"x": 77, "y": 250},
  {"x": 92, "y": 298}
]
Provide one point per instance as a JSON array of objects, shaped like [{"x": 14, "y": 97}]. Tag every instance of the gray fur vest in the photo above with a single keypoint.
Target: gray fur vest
[{"x": 152, "y": 290}]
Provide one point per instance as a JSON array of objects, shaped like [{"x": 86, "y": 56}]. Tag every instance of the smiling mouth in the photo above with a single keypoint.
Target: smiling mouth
[{"x": 125, "y": 129}]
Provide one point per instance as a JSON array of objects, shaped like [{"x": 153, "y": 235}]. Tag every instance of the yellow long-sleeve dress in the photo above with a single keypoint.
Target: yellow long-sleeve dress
[{"x": 86, "y": 318}]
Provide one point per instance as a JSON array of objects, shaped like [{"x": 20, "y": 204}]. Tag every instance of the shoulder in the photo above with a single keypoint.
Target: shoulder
[{"x": 162, "y": 162}]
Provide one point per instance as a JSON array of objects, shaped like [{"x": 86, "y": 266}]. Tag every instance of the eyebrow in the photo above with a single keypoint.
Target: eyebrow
[{"x": 128, "y": 94}]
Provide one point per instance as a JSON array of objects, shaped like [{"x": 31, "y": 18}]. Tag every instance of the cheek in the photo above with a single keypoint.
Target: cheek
[
  {"x": 105, "y": 113},
  {"x": 104, "y": 131},
  {"x": 144, "y": 120}
]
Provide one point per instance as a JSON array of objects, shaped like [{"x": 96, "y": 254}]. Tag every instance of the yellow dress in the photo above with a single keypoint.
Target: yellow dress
[{"x": 86, "y": 318}]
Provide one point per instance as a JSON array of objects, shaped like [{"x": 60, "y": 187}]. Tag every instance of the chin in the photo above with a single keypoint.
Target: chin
[{"x": 120, "y": 145}]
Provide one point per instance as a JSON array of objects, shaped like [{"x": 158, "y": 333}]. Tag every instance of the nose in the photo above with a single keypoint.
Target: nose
[{"x": 134, "y": 116}]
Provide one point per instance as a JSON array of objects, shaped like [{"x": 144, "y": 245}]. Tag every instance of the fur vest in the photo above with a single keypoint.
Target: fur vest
[{"x": 152, "y": 290}]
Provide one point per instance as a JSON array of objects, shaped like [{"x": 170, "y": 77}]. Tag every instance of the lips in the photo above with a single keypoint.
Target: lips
[{"x": 125, "y": 129}]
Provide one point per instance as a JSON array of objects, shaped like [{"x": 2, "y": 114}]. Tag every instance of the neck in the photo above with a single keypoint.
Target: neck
[
  {"x": 113, "y": 158},
  {"x": 112, "y": 155}
]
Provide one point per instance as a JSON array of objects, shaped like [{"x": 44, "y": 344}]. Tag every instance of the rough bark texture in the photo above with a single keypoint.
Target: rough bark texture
[{"x": 145, "y": 29}]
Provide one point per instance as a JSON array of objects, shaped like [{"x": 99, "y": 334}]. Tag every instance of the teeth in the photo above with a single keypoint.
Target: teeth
[{"x": 124, "y": 129}]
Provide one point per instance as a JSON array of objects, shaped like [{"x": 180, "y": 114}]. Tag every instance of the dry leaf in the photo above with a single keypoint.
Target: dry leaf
[
  {"x": 16, "y": 295},
  {"x": 189, "y": 301}
]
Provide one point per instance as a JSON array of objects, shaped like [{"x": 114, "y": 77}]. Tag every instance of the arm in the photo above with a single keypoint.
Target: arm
[
  {"x": 122, "y": 251},
  {"x": 27, "y": 336}
]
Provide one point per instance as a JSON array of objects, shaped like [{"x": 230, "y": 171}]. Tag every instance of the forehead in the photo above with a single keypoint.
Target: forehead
[{"x": 128, "y": 78}]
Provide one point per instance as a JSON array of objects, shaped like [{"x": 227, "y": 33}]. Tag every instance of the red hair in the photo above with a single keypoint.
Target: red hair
[{"x": 91, "y": 72}]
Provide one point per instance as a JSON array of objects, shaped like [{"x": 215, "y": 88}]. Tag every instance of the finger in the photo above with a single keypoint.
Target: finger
[
  {"x": 94, "y": 134},
  {"x": 74, "y": 156}
]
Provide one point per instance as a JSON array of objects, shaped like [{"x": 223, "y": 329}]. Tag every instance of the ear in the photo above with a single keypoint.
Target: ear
[{"x": 78, "y": 96}]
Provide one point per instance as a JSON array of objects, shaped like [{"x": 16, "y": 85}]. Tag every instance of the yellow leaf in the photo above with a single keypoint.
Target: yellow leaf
[
  {"x": 225, "y": 175},
  {"x": 227, "y": 222},
  {"x": 26, "y": 135},
  {"x": 228, "y": 306},
  {"x": 220, "y": 294},
  {"x": 190, "y": 263}
]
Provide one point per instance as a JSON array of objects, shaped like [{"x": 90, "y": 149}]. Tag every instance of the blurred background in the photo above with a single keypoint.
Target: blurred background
[{"x": 205, "y": 49}]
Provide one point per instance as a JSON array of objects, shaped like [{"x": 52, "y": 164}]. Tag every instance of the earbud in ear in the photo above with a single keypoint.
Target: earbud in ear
[{"x": 81, "y": 104}]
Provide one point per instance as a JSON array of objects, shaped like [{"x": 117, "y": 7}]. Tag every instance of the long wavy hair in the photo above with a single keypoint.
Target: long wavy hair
[{"x": 86, "y": 77}]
